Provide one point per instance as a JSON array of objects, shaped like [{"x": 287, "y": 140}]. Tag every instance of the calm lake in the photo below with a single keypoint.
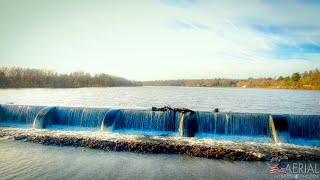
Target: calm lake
[{"x": 196, "y": 98}]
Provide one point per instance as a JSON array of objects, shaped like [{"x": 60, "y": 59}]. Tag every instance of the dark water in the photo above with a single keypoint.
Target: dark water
[
  {"x": 21, "y": 160},
  {"x": 226, "y": 99}
]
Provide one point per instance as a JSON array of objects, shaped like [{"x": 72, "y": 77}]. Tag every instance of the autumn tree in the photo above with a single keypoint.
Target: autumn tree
[{"x": 295, "y": 76}]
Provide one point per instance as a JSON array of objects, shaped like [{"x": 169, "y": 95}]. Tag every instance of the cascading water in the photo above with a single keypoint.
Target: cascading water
[
  {"x": 109, "y": 119},
  {"x": 279, "y": 128},
  {"x": 80, "y": 117},
  {"x": 44, "y": 117},
  {"x": 304, "y": 126},
  {"x": 18, "y": 114},
  {"x": 186, "y": 124},
  {"x": 282, "y": 128},
  {"x": 181, "y": 125},
  {"x": 273, "y": 129},
  {"x": 249, "y": 124},
  {"x": 233, "y": 124},
  {"x": 212, "y": 123},
  {"x": 145, "y": 120}
]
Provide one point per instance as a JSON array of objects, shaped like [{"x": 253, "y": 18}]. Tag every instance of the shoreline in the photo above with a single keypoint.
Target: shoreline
[
  {"x": 275, "y": 88},
  {"x": 316, "y": 89}
]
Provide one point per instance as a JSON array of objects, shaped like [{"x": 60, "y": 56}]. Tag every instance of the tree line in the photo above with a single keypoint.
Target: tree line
[
  {"x": 306, "y": 80},
  {"x": 15, "y": 77}
]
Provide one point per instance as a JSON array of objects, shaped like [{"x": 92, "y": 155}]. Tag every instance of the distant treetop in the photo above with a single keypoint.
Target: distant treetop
[
  {"x": 15, "y": 77},
  {"x": 307, "y": 80}
]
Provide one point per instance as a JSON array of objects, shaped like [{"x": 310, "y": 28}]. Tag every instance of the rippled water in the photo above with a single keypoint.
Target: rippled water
[
  {"x": 197, "y": 98},
  {"x": 21, "y": 160}
]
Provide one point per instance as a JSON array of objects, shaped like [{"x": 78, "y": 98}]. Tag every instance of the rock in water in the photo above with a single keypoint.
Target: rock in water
[{"x": 215, "y": 110}]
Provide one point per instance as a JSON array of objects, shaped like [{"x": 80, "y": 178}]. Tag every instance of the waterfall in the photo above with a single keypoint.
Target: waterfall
[
  {"x": 273, "y": 130},
  {"x": 304, "y": 126},
  {"x": 181, "y": 125},
  {"x": 282, "y": 128},
  {"x": 226, "y": 124},
  {"x": 109, "y": 119},
  {"x": 44, "y": 117},
  {"x": 249, "y": 124},
  {"x": 78, "y": 116},
  {"x": 207, "y": 122},
  {"x": 233, "y": 124},
  {"x": 145, "y": 120},
  {"x": 279, "y": 128},
  {"x": 212, "y": 123},
  {"x": 187, "y": 125},
  {"x": 19, "y": 114}
]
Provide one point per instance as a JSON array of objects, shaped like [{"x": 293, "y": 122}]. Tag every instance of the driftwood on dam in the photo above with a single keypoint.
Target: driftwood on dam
[{"x": 168, "y": 108}]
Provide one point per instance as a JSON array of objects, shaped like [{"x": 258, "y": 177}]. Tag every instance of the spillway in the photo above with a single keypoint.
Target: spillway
[
  {"x": 233, "y": 123},
  {"x": 145, "y": 120},
  {"x": 282, "y": 128},
  {"x": 81, "y": 117},
  {"x": 19, "y": 114},
  {"x": 304, "y": 126}
]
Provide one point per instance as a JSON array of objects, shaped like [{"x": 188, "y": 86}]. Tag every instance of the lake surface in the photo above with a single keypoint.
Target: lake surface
[{"x": 277, "y": 101}]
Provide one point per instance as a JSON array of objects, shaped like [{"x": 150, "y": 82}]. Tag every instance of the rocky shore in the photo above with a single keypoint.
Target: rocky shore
[{"x": 160, "y": 147}]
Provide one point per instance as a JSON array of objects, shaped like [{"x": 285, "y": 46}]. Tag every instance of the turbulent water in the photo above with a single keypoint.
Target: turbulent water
[
  {"x": 226, "y": 99},
  {"x": 259, "y": 144}
]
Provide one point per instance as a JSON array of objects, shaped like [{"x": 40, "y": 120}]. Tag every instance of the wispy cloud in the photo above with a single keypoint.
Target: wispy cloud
[
  {"x": 299, "y": 51},
  {"x": 269, "y": 29},
  {"x": 282, "y": 30},
  {"x": 184, "y": 3},
  {"x": 184, "y": 24}
]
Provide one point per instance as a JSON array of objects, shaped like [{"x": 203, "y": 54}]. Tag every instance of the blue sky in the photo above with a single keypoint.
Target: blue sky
[{"x": 162, "y": 39}]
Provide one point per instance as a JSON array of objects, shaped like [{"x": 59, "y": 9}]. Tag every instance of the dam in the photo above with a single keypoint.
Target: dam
[{"x": 280, "y": 128}]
